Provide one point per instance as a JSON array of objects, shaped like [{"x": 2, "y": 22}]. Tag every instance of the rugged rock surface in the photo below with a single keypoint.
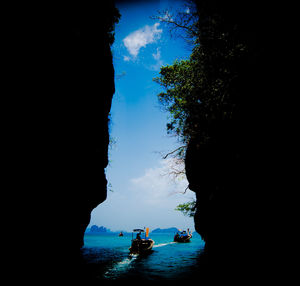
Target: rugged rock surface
[
  {"x": 231, "y": 173},
  {"x": 60, "y": 102}
]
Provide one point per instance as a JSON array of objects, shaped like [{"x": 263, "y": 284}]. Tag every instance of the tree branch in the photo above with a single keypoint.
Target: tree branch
[
  {"x": 172, "y": 152},
  {"x": 186, "y": 189}
]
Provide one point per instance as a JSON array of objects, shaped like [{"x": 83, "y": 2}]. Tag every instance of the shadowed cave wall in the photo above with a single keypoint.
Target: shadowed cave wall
[
  {"x": 96, "y": 75},
  {"x": 60, "y": 87},
  {"x": 231, "y": 172}
]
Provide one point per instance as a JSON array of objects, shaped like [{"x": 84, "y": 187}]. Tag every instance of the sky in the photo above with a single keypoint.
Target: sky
[{"x": 141, "y": 192}]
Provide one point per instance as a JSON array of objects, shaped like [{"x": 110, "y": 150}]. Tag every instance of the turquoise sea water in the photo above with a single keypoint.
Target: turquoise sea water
[{"x": 109, "y": 257}]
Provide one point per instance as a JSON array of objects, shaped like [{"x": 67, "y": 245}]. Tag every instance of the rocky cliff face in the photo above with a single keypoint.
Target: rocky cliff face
[
  {"x": 229, "y": 174},
  {"x": 89, "y": 81},
  {"x": 61, "y": 98}
]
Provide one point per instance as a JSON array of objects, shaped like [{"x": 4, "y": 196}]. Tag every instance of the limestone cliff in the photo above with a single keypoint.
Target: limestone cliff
[
  {"x": 228, "y": 172},
  {"x": 57, "y": 104}
]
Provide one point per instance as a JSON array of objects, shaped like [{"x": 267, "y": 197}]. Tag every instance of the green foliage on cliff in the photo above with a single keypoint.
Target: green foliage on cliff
[
  {"x": 197, "y": 90},
  {"x": 179, "y": 97},
  {"x": 202, "y": 94},
  {"x": 188, "y": 209}
]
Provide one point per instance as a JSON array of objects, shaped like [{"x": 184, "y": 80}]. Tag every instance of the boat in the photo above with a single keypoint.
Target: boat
[
  {"x": 121, "y": 234},
  {"x": 183, "y": 236},
  {"x": 142, "y": 244}
]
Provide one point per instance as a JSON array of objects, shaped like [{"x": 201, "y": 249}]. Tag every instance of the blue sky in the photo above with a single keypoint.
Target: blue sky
[{"x": 143, "y": 192}]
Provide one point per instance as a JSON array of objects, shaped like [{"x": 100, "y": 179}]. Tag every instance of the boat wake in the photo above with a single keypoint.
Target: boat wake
[
  {"x": 120, "y": 267},
  {"x": 163, "y": 244},
  {"x": 124, "y": 265}
]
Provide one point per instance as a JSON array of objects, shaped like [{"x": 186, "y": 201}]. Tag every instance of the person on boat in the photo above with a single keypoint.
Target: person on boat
[
  {"x": 184, "y": 233},
  {"x": 138, "y": 236}
]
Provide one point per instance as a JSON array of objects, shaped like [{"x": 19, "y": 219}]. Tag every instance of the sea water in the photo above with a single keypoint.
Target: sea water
[{"x": 109, "y": 255}]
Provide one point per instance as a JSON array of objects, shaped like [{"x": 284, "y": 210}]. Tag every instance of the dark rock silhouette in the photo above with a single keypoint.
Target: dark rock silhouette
[
  {"x": 61, "y": 96},
  {"x": 230, "y": 174}
]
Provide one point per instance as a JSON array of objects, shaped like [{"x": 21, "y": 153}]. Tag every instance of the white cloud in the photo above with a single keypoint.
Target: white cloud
[
  {"x": 148, "y": 200},
  {"x": 141, "y": 38},
  {"x": 156, "y": 56},
  {"x": 158, "y": 186},
  {"x": 126, "y": 58}
]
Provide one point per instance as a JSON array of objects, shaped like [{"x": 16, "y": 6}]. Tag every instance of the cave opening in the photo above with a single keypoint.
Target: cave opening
[
  {"x": 146, "y": 183},
  {"x": 64, "y": 86},
  {"x": 216, "y": 94},
  {"x": 137, "y": 171}
]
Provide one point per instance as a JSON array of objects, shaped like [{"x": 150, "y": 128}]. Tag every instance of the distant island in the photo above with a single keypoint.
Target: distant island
[
  {"x": 97, "y": 229},
  {"x": 94, "y": 229},
  {"x": 165, "y": 230}
]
